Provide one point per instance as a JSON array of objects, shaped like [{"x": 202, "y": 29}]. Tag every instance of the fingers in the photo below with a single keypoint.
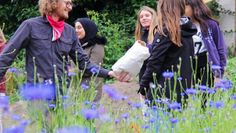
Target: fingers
[{"x": 122, "y": 76}]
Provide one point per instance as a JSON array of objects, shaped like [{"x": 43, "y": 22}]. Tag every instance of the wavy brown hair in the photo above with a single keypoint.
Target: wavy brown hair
[
  {"x": 169, "y": 13},
  {"x": 46, "y": 7},
  {"x": 201, "y": 13},
  {"x": 138, "y": 29}
]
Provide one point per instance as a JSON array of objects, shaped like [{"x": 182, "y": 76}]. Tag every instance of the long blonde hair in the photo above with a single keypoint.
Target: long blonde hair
[
  {"x": 138, "y": 30},
  {"x": 169, "y": 14}
]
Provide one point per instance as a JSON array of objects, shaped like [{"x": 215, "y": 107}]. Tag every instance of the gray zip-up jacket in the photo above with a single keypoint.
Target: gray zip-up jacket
[{"x": 35, "y": 35}]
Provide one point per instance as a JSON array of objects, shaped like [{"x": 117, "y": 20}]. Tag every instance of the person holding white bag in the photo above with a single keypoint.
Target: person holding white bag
[{"x": 133, "y": 62}]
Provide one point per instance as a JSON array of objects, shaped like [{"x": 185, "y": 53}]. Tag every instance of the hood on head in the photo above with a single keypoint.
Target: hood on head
[{"x": 90, "y": 29}]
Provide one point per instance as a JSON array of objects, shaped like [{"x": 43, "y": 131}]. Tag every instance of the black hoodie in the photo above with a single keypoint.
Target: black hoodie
[{"x": 165, "y": 57}]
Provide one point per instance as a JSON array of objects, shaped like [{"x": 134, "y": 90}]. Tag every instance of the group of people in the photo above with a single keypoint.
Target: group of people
[
  {"x": 175, "y": 34},
  {"x": 185, "y": 41}
]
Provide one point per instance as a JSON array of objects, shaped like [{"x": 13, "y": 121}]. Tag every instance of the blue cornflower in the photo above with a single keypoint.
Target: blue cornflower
[
  {"x": 217, "y": 105},
  {"x": 179, "y": 78},
  {"x": 203, "y": 88},
  {"x": 84, "y": 86},
  {"x": 168, "y": 74},
  {"x": 174, "y": 106},
  {"x": 112, "y": 93},
  {"x": 174, "y": 120},
  {"x": 89, "y": 114},
  {"x": 94, "y": 70},
  {"x": 145, "y": 126},
  {"x": 233, "y": 96},
  {"x": 73, "y": 129},
  {"x": 13, "y": 70},
  {"x": 234, "y": 106},
  {"x": 137, "y": 105},
  {"x": 4, "y": 102},
  {"x": 211, "y": 91},
  {"x": 125, "y": 116},
  {"x": 15, "y": 129},
  {"x": 16, "y": 117},
  {"x": 52, "y": 106},
  {"x": 38, "y": 92},
  {"x": 191, "y": 91},
  {"x": 71, "y": 74},
  {"x": 117, "y": 121}
]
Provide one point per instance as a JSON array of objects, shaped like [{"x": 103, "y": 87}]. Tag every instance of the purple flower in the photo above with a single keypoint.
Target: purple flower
[
  {"x": 137, "y": 105},
  {"x": 84, "y": 86},
  {"x": 13, "y": 70},
  {"x": 90, "y": 114},
  {"x": 117, "y": 121},
  {"x": 52, "y": 106},
  {"x": 203, "y": 88},
  {"x": 38, "y": 92},
  {"x": 145, "y": 126},
  {"x": 168, "y": 74},
  {"x": 94, "y": 70},
  {"x": 71, "y": 74},
  {"x": 73, "y": 129},
  {"x": 125, "y": 116},
  {"x": 217, "y": 105},
  {"x": 16, "y": 117},
  {"x": 15, "y": 129},
  {"x": 4, "y": 102},
  {"x": 234, "y": 106},
  {"x": 112, "y": 93},
  {"x": 173, "y": 120},
  {"x": 233, "y": 96},
  {"x": 211, "y": 91},
  {"x": 174, "y": 106},
  {"x": 191, "y": 91}
]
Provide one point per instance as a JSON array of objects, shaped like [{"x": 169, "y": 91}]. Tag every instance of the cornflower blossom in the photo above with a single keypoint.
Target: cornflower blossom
[
  {"x": 89, "y": 114},
  {"x": 191, "y": 91},
  {"x": 84, "y": 86},
  {"x": 4, "y": 102},
  {"x": 94, "y": 70},
  {"x": 217, "y": 105},
  {"x": 174, "y": 106},
  {"x": 125, "y": 116},
  {"x": 71, "y": 74},
  {"x": 233, "y": 96},
  {"x": 112, "y": 93},
  {"x": 168, "y": 75},
  {"x": 13, "y": 70},
  {"x": 73, "y": 129},
  {"x": 137, "y": 105},
  {"x": 174, "y": 120},
  {"x": 38, "y": 92}
]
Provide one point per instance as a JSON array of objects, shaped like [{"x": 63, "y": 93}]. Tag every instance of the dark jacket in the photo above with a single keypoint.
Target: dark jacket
[
  {"x": 165, "y": 57},
  {"x": 35, "y": 35}
]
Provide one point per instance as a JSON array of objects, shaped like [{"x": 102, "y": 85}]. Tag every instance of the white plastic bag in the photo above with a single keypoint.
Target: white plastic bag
[{"x": 133, "y": 59}]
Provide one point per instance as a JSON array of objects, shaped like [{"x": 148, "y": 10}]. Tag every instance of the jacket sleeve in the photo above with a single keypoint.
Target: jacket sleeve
[
  {"x": 220, "y": 45},
  {"x": 19, "y": 40},
  {"x": 155, "y": 61},
  {"x": 79, "y": 56}
]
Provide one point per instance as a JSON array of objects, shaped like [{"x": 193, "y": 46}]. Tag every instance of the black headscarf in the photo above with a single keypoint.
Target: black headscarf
[{"x": 91, "y": 30}]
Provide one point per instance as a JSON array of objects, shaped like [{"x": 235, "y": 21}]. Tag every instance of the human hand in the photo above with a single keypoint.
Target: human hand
[{"x": 122, "y": 76}]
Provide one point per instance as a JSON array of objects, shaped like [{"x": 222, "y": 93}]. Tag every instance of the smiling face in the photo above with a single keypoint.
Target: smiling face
[
  {"x": 63, "y": 9},
  {"x": 79, "y": 30},
  {"x": 145, "y": 18}
]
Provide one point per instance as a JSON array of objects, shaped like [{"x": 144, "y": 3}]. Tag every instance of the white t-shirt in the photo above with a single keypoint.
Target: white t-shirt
[{"x": 199, "y": 46}]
